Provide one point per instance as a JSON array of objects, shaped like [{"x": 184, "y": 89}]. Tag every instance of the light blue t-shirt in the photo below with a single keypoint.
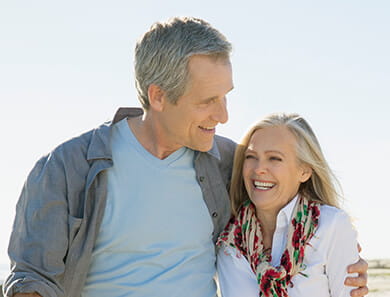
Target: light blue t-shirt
[{"x": 156, "y": 234}]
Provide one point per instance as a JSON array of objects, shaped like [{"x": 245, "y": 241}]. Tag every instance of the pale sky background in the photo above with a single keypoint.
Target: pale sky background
[{"x": 65, "y": 66}]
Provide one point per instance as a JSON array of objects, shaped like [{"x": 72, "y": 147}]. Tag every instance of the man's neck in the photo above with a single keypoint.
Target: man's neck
[{"x": 148, "y": 134}]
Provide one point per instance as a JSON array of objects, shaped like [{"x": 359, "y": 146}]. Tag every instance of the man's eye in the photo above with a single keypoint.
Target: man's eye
[{"x": 210, "y": 101}]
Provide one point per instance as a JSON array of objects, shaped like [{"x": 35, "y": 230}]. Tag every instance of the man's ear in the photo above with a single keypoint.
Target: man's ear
[
  {"x": 156, "y": 97},
  {"x": 306, "y": 173}
]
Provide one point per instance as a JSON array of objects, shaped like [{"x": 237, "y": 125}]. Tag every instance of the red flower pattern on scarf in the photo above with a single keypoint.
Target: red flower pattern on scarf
[{"x": 244, "y": 234}]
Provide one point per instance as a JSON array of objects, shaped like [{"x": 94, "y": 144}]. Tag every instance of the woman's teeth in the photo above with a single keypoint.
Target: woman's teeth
[{"x": 263, "y": 185}]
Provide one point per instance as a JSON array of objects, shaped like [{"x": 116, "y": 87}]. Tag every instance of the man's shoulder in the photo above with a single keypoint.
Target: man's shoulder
[
  {"x": 225, "y": 145},
  {"x": 95, "y": 142},
  {"x": 225, "y": 140},
  {"x": 89, "y": 145}
]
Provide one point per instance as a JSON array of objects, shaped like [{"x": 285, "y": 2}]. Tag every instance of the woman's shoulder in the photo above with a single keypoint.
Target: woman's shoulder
[
  {"x": 335, "y": 219},
  {"x": 328, "y": 212}
]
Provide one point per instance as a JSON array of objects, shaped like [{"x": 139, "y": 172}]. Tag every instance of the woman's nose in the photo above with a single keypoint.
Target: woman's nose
[{"x": 260, "y": 168}]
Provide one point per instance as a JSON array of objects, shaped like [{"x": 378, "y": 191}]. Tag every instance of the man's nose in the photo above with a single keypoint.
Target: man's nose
[{"x": 221, "y": 114}]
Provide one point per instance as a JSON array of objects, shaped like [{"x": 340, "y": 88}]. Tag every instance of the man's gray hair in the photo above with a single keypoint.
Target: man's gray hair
[{"x": 163, "y": 52}]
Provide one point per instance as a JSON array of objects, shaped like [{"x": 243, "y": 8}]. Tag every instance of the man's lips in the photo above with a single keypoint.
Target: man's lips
[{"x": 207, "y": 129}]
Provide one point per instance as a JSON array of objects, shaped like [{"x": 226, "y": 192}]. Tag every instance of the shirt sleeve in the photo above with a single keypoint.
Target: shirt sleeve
[
  {"x": 235, "y": 276},
  {"x": 38, "y": 242},
  {"x": 342, "y": 252}
]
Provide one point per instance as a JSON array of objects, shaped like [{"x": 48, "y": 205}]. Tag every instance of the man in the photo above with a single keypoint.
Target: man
[{"x": 133, "y": 208}]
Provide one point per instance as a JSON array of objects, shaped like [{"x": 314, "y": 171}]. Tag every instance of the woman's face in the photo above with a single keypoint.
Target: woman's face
[{"x": 271, "y": 171}]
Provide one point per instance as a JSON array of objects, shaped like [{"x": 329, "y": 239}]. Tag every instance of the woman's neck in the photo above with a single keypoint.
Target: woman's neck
[{"x": 268, "y": 226}]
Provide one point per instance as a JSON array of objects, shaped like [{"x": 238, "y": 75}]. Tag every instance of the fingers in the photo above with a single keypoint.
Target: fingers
[
  {"x": 359, "y": 292},
  {"x": 359, "y": 248},
  {"x": 358, "y": 281},
  {"x": 360, "y": 267}
]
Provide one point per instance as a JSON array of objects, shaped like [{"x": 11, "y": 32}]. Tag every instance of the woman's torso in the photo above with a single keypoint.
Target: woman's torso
[{"x": 331, "y": 250}]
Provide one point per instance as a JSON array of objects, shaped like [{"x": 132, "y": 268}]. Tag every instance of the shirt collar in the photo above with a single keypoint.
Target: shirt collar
[
  {"x": 214, "y": 151},
  {"x": 284, "y": 215}
]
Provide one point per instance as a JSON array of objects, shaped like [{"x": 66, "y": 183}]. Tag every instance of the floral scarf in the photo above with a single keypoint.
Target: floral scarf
[{"x": 244, "y": 234}]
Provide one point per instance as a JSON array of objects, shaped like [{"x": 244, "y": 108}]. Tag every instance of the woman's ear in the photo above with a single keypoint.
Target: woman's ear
[{"x": 306, "y": 173}]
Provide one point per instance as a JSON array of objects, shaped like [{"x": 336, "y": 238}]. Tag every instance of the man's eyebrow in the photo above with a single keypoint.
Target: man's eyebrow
[{"x": 206, "y": 100}]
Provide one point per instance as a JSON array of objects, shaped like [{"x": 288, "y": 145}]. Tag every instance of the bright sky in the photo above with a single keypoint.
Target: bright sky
[{"x": 66, "y": 66}]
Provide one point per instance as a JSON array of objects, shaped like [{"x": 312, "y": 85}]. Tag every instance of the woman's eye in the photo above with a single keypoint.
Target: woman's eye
[
  {"x": 249, "y": 157},
  {"x": 275, "y": 159}
]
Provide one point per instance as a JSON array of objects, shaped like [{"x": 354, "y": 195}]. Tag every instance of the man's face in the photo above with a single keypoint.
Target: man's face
[{"x": 191, "y": 122}]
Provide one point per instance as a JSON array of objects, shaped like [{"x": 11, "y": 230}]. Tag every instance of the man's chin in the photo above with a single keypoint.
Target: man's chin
[{"x": 202, "y": 148}]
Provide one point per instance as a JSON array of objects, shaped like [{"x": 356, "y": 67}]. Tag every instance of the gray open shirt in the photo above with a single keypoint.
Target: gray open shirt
[{"x": 62, "y": 204}]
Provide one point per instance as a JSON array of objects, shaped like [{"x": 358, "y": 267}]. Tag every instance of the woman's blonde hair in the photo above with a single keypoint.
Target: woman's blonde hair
[{"x": 322, "y": 186}]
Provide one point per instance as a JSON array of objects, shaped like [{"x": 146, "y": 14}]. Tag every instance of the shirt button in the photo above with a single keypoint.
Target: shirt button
[
  {"x": 201, "y": 178},
  {"x": 214, "y": 214}
]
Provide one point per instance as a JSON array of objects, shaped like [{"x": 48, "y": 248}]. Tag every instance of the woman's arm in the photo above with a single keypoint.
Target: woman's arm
[{"x": 343, "y": 250}]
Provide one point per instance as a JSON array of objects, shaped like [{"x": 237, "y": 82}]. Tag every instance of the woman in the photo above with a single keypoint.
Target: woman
[{"x": 287, "y": 236}]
